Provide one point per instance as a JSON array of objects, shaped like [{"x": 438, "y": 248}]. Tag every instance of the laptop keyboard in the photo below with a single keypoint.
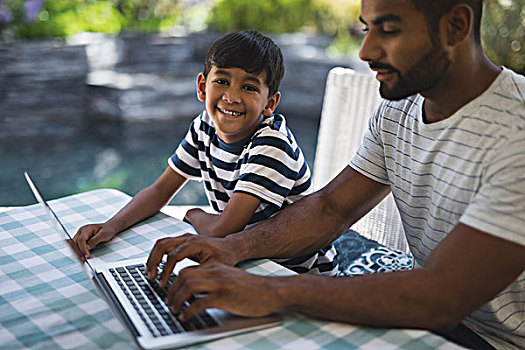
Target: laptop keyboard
[{"x": 148, "y": 300}]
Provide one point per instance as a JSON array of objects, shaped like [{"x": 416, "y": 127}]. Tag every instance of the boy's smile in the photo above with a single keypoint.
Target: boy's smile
[{"x": 236, "y": 101}]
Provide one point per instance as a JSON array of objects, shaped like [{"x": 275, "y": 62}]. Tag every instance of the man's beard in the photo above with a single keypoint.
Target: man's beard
[{"x": 424, "y": 75}]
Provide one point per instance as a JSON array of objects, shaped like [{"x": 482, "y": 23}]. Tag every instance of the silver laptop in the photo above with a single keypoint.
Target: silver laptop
[{"x": 139, "y": 303}]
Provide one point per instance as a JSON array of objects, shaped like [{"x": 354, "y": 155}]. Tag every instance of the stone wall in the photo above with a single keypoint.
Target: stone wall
[
  {"x": 42, "y": 86},
  {"x": 52, "y": 86}
]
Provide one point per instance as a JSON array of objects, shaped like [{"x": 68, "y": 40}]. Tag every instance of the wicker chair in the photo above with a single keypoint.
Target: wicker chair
[{"x": 350, "y": 98}]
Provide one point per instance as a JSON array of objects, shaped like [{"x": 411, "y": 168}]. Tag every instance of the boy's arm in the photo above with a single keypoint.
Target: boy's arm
[
  {"x": 236, "y": 215},
  {"x": 145, "y": 204}
]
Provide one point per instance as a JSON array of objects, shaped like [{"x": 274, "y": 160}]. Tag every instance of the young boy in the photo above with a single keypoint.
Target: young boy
[{"x": 246, "y": 156}]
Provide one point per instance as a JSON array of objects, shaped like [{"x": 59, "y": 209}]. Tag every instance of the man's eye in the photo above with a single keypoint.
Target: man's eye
[{"x": 389, "y": 31}]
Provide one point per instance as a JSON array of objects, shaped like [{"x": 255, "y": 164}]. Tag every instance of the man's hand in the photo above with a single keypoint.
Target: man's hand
[
  {"x": 224, "y": 287},
  {"x": 199, "y": 248},
  {"x": 89, "y": 236}
]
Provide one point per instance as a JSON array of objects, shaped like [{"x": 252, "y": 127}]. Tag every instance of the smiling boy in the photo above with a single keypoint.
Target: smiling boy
[{"x": 245, "y": 154}]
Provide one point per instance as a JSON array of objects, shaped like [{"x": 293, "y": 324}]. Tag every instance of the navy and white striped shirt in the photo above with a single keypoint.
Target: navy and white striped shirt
[
  {"x": 268, "y": 165},
  {"x": 469, "y": 168}
]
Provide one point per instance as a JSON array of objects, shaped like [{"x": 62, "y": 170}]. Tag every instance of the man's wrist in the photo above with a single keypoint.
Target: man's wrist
[
  {"x": 240, "y": 246},
  {"x": 288, "y": 292}
]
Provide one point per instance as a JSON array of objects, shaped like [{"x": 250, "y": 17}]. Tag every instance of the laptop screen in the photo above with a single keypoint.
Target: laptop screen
[{"x": 56, "y": 223}]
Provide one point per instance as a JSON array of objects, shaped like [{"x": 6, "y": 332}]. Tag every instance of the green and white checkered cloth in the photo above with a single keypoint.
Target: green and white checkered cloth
[{"x": 47, "y": 301}]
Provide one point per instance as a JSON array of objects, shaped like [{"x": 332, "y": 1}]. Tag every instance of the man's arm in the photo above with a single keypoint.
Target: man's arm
[
  {"x": 314, "y": 221},
  {"x": 466, "y": 270},
  {"x": 236, "y": 215},
  {"x": 304, "y": 227}
]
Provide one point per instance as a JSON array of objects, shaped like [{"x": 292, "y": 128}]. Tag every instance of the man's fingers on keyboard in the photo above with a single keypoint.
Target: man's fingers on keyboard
[
  {"x": 183, "y": 288},
  {"x": 155, "y": 256},
  {"x": 180, "y": 253},
  {"x": 165, "y": 274},
  {"x": 195, "y": 308}
]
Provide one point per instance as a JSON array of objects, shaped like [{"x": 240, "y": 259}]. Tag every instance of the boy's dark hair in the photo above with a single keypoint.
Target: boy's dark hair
[
  {"x": 435, "y": 9},
  {"x": 251, "y": 51}
]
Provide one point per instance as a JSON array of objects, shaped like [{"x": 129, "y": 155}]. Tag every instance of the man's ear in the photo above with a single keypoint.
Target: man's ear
[
  {"x": 201, "y": 87},
  {"x": 459, "y": 23},
  {"x": 271, "y": 104}
]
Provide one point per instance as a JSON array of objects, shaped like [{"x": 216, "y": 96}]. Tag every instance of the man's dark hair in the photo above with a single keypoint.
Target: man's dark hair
[
  {"x": 251, "y": 51},
  {"x": 435, "y": 9}
]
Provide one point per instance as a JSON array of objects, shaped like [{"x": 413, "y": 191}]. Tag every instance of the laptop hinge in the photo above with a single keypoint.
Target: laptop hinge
[{"x": 106, "y": 290}]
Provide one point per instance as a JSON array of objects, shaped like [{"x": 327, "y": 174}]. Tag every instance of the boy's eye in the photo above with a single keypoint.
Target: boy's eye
[
  {"x": 251, "y": 88},
  {"x": 221, "y": 81}
]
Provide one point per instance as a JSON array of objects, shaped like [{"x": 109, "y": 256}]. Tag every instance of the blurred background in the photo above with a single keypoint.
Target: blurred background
[{"x": 98, "y": 94}]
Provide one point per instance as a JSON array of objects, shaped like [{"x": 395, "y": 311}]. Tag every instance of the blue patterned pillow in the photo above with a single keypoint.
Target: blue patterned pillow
[{"x": 358, "y": 255}]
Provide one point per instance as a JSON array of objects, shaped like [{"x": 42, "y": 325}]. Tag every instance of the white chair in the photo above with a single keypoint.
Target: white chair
[{"x": 350, "y": 98}]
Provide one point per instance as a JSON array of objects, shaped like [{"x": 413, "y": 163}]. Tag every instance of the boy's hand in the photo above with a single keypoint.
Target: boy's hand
[
  {"x": 199, "y": 248},
  {"x": 89, "y": 236}
]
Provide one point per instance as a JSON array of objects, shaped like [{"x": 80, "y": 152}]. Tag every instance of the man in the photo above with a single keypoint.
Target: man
[{"x": 449, "y": 142}]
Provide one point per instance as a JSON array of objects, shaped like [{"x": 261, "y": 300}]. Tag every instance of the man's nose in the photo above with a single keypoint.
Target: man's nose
[{"x": 370, "y": 49}]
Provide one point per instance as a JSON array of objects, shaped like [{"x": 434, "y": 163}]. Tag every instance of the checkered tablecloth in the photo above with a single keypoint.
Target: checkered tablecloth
[{"x": 47, "y": 301}]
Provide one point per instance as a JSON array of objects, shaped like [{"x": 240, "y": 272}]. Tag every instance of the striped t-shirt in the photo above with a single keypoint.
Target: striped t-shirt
[
  {"x": 268, "y": 165},
  {"x": 470, "y": 169}
]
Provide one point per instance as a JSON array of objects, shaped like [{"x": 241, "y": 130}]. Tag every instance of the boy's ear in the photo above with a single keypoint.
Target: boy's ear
[
  {"x": 201, "y": 87},
  {"x": 271, "y": 104}
]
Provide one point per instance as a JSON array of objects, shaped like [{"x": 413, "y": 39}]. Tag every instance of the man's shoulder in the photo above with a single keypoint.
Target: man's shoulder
[
  {"x": 504, "y": 99},
  {"x": 511, "y": 85}
]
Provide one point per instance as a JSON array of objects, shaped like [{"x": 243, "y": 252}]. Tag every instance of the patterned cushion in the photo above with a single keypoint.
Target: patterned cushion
[{"x": 358, "y": 255}]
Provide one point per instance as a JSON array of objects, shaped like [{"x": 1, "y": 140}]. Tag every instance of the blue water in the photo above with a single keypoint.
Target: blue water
[{"x": 128, "y": 157}]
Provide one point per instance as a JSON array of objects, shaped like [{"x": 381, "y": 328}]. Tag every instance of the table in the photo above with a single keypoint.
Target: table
[{"x": 47, "y": 302}]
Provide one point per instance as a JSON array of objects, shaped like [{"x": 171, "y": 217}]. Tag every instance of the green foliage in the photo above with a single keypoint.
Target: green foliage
[
  {"x": 149, "y": 15},
  {"x": 503, "y": 33},
  {"x": 61, "y": 18},
  {"x": 503, "y": 27},
  {"x": 269, "y": 16},
  {"x": 336, "y": 18},
  {"x": 116, "y": 179},
  {"x": 64, "y": 18}
]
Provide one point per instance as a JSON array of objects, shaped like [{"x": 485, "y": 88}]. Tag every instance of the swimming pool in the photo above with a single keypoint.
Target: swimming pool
[{"x": 124, "y": 156}]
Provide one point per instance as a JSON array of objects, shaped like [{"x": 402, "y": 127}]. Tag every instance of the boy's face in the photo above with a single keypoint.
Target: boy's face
[
  {"x": 236, "y": 101},
  {"x": 398, "y": 46}
]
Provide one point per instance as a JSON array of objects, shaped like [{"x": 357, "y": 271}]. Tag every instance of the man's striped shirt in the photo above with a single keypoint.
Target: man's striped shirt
[
  {"x": 470, "y": 169},
  {"x": 268, "y": 165}
]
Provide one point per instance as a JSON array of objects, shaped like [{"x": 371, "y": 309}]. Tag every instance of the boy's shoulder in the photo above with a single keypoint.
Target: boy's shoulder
[
  {"x": 273, "y": 132},
  {"x": 274, "y": 124}
]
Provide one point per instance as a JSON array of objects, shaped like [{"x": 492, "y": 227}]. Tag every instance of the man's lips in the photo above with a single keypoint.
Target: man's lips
[
  {"x": 229, "y": 112},
  {"x": 383, "y": 74},
  {"x": 384, "y": 71}
]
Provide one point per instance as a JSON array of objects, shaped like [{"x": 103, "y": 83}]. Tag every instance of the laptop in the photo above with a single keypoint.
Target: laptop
[{"x": 139, "y": 303}]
